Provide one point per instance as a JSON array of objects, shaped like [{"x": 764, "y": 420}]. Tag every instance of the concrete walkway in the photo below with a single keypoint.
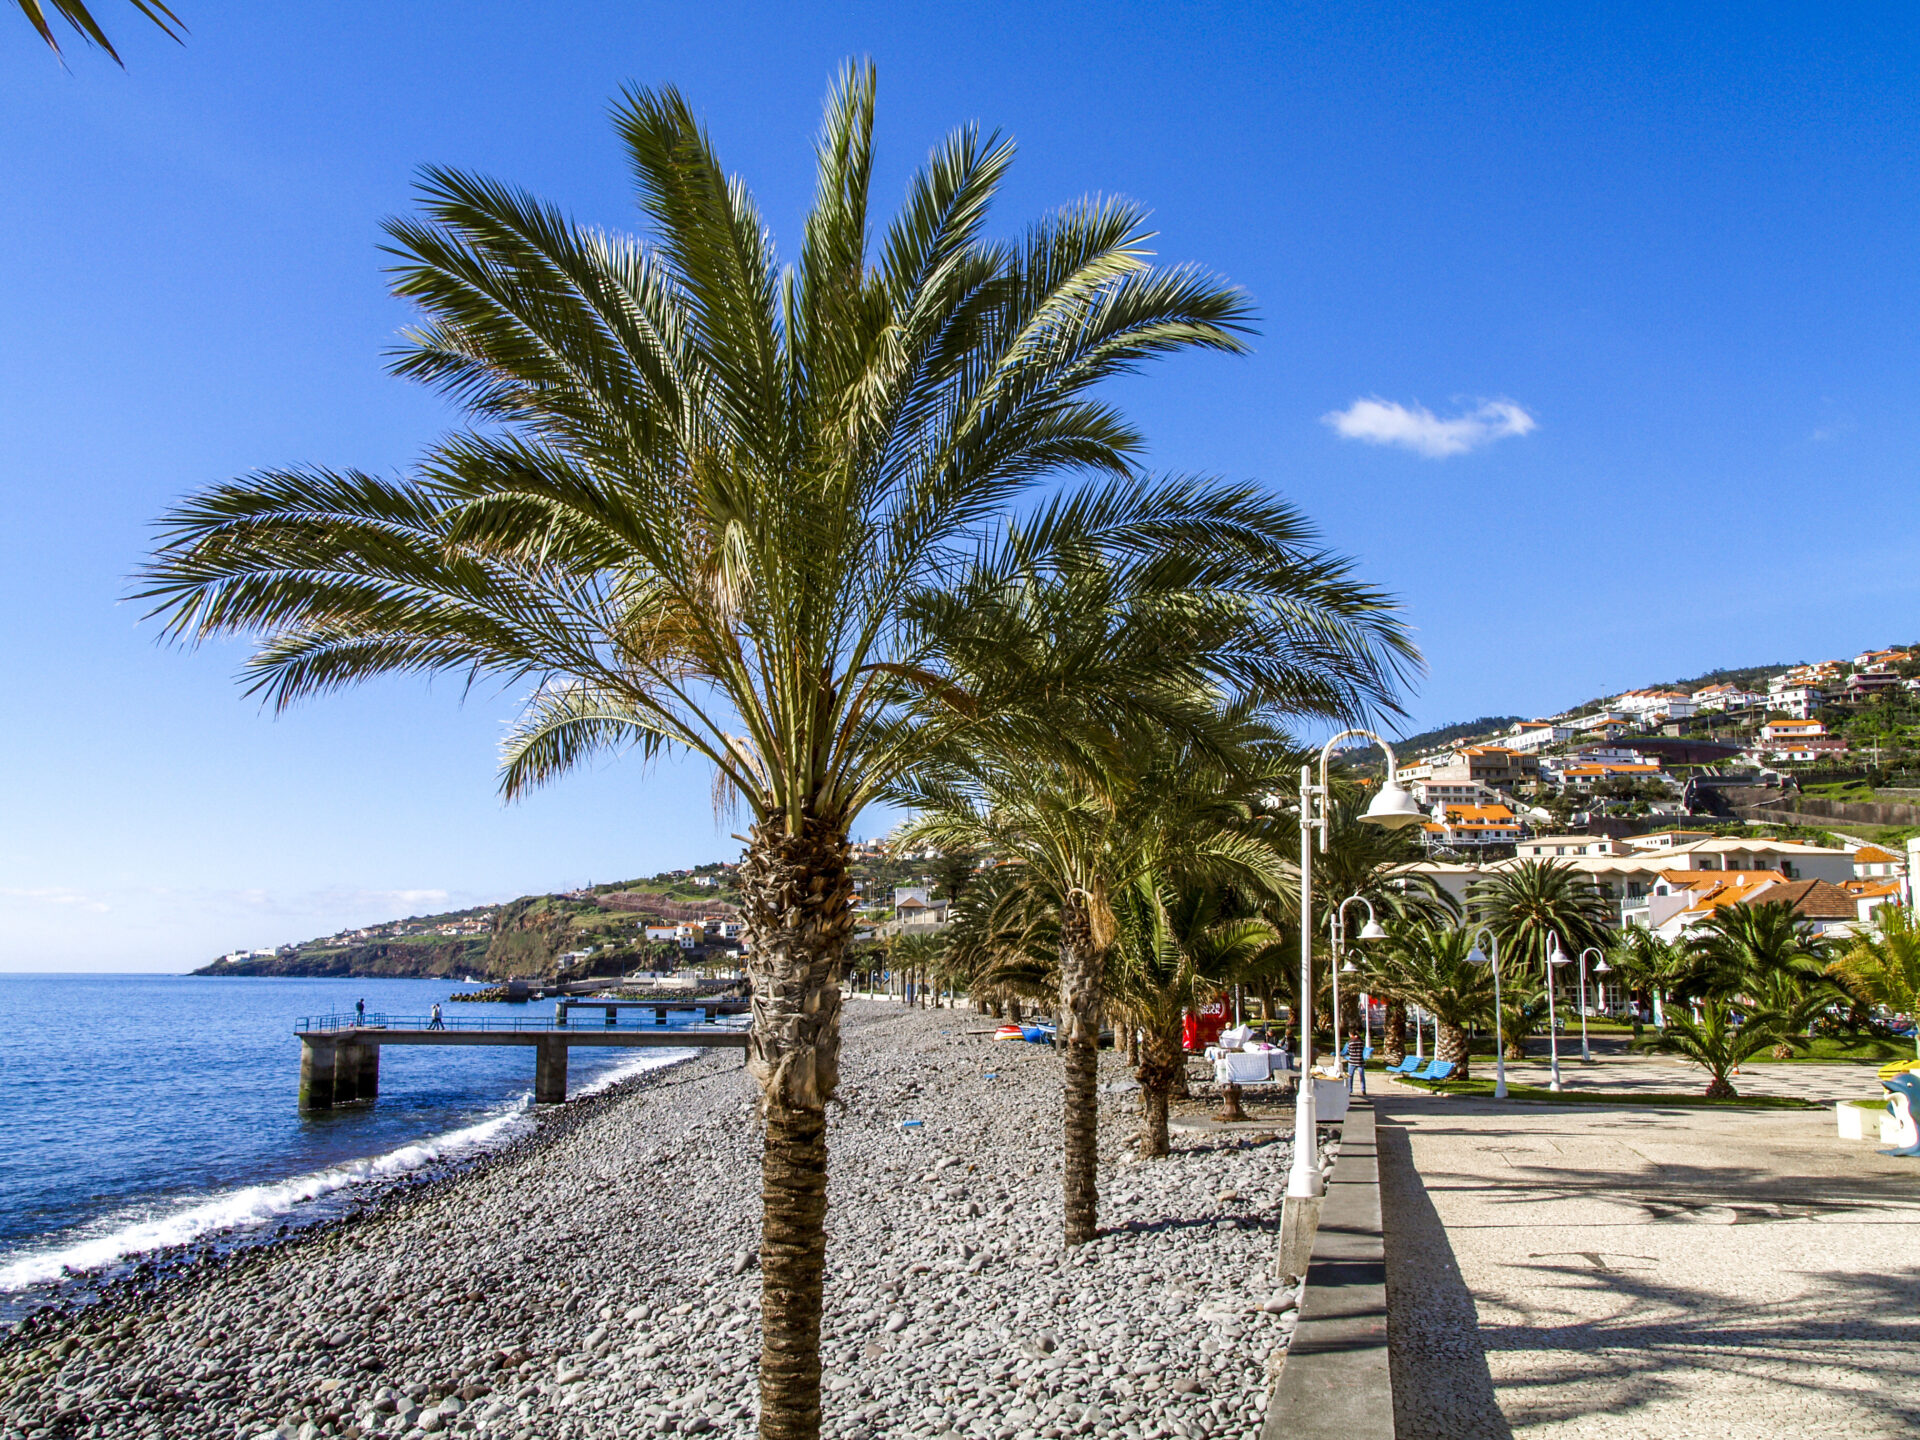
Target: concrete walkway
[{"x": 1647, "y": 1271}]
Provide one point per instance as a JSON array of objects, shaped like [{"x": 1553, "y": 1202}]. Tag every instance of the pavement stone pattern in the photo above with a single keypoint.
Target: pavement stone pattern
[{"x": 1649, "y": 1271}]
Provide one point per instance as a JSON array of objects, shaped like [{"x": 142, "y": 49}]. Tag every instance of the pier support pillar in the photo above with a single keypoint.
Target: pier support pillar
[
  {"x": 360, "y": 1063},
  {"x": 319, "y": 1062},
  {"x": 550, "y": 1072}
]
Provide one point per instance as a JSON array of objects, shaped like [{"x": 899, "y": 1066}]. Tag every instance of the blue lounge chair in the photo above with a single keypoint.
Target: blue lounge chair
[{"x": 1439, "y": 1071}]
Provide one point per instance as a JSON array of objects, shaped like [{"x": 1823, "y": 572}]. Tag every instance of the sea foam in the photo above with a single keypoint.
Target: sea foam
[{"x": 115, "y": 1239}]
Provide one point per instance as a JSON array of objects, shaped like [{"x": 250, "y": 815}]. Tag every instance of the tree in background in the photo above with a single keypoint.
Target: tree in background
[
  {"x": 1535, "y": 900},
  {"x": 1651, "y": 966},
  {"x": 1426, "y": 964},
  {"x": 1175, "y": 947},
  {"x": 710, "y": 504},
  {"x": 1883, "y": 969}
]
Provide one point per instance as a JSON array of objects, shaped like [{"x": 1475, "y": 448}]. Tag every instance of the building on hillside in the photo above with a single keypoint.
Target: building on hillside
[
  {"x": 1471, "y": 827},
  {"x": 1555, "y": 847},
  {"x": 916, "y": 915},
  {"x": 1869, "y": 685},
  {"x": 1813, "y": 747},
  {"x": 1681, "y": 902},
  {"x": 1532, "y": 736},
  {"x": 1428, "y": 793},
  {"x": 1726, "y": 697},
  {"x": 1585, "y": 776},
  {"x": 1875, "y": 662},
  {"x": 1495, "y": 766},
  {"x": 1872, "y": 896},
  {"x": 1795, "y": 698},
  {"x": 1628, "y": 877},
  {"x": 1776, "y": 732},
  {"x": 1665, "y": 840},
  {"x": 1870, "y": 862},
  {"x": 1647, "y": 705}
]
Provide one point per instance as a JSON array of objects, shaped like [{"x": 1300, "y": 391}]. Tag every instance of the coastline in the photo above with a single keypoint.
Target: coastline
[{"x": 597, "y": 1277}]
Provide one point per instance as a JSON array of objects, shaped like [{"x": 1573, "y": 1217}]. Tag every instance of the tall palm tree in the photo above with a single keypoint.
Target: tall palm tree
[
  {"x": 1535, "y": 900},
  {"x": 1884, "y": 969},
  {"x": 80, "y": 17},
  {"x": 1426, "y": 964},
  {"x": 709, "y": 504},
  {"x": 1149, "y": 674}
]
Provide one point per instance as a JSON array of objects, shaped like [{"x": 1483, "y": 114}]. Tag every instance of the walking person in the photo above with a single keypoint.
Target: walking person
[
  {"x": 1356, "y": 1064},
  {"x": 435, "y": 1022}
]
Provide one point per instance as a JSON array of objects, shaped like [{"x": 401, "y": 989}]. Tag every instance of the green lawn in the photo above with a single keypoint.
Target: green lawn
[
  {"x": 1863, "y": 1049},
  {"x": 1603, "y": 1097}
]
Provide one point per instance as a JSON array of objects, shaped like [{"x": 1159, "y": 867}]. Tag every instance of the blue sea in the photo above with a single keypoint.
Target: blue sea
[{"x": 143, "y": 1111}]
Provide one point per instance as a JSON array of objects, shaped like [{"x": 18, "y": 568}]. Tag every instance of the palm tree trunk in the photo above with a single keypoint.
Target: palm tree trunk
[
  {"x": 1080, "y": 999},
  {"x": 1453, "y": 1046},
  {"x": 1393, "y": 1037},
  {"x": 795, "y": 909},
  {"x": 1160, "y": 1057}
]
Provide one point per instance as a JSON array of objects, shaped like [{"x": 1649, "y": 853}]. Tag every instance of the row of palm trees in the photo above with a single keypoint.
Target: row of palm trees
[{"x": 861, "y": 527}]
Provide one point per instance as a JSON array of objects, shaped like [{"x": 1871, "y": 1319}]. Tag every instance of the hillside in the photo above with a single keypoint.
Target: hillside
[{"x": 531, "y": 936}]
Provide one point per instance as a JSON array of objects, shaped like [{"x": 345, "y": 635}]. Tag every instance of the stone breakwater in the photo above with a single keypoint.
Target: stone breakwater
[{"x": 598, "y": 1279}]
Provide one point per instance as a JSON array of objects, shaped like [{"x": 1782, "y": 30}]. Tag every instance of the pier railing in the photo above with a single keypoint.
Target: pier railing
[{"x": 327, "y": 1024}]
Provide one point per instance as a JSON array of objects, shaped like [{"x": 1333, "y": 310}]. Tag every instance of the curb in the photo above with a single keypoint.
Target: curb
[{"x": 1336, "y": 1383}]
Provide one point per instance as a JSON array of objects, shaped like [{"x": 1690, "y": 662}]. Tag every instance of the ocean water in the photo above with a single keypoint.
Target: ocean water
[{"x": 142, "y": 1111}]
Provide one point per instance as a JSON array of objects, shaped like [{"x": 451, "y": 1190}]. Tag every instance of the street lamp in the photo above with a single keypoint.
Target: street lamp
[
  {"x": 1392, "y": 808},
  {"x": 1337, "y": 932},
  {"x": 1477, "y": 956},
  {"x": 1556, "y": 957},
  {"x": 1600, "y": 968}
]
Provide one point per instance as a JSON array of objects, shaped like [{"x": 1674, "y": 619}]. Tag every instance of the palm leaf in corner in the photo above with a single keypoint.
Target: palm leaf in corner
[{"x": 81, "y": 19}]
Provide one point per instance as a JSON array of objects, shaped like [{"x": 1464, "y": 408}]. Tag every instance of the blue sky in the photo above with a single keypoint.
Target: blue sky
[{"x": 1588, "y": 330}]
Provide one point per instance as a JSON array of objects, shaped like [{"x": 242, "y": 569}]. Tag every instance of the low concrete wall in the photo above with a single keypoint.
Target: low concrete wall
[{"x": 1336, "y": 1383}]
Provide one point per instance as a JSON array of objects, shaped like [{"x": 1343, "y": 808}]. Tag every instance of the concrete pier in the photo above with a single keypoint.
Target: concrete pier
[
  {"x": 337, "y": 1070},
  {"x": 342, "y": 1067}
]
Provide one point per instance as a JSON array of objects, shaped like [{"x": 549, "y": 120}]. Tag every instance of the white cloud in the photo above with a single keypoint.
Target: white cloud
[{"x": 1416, "y": 428}]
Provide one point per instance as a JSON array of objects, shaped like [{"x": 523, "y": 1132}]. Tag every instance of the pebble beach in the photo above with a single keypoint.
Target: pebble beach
[{"x": 598, "y": 1277}]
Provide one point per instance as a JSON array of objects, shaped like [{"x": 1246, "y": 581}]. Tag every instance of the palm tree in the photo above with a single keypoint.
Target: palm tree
[
  {"x": 77, "y": 15},
  {"x": 1716, "y": 1041},
  {"x": 1537, "y": 899},
  {"x": 1175, "y": 946},
  {"x": 1769, "y": 956},
  {"x": 1003, "y": 943},
  {"x": 709, "y": 504},
  {"x": 1656, "y": 967},
  {"x": 1149, "y": 675},
  {"x": 1426, "y": 964},
  {"x": 1884, "y": 969}
]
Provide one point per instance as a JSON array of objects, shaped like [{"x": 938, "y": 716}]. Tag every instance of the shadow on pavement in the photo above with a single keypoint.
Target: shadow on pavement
[{"x": 1441, "y": 1386}]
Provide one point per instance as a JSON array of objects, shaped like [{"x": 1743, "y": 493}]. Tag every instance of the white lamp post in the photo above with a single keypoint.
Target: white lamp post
[
  {"x": 1556, "y": 957},
  {"x": 1393, "y": 808},
  {"x": 1477, "y": 956},
  {"x": 1600, "y": 968},
  {"x": 1337, "y": 931}
]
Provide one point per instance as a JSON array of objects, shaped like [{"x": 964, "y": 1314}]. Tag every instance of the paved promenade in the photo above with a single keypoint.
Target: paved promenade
[{"x": 1649, "y": 1271}]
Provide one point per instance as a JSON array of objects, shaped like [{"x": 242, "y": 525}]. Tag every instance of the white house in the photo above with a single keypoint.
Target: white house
[
  {"x": 1727, "y": 697},
  {"x": 1532, "y": 736}
]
